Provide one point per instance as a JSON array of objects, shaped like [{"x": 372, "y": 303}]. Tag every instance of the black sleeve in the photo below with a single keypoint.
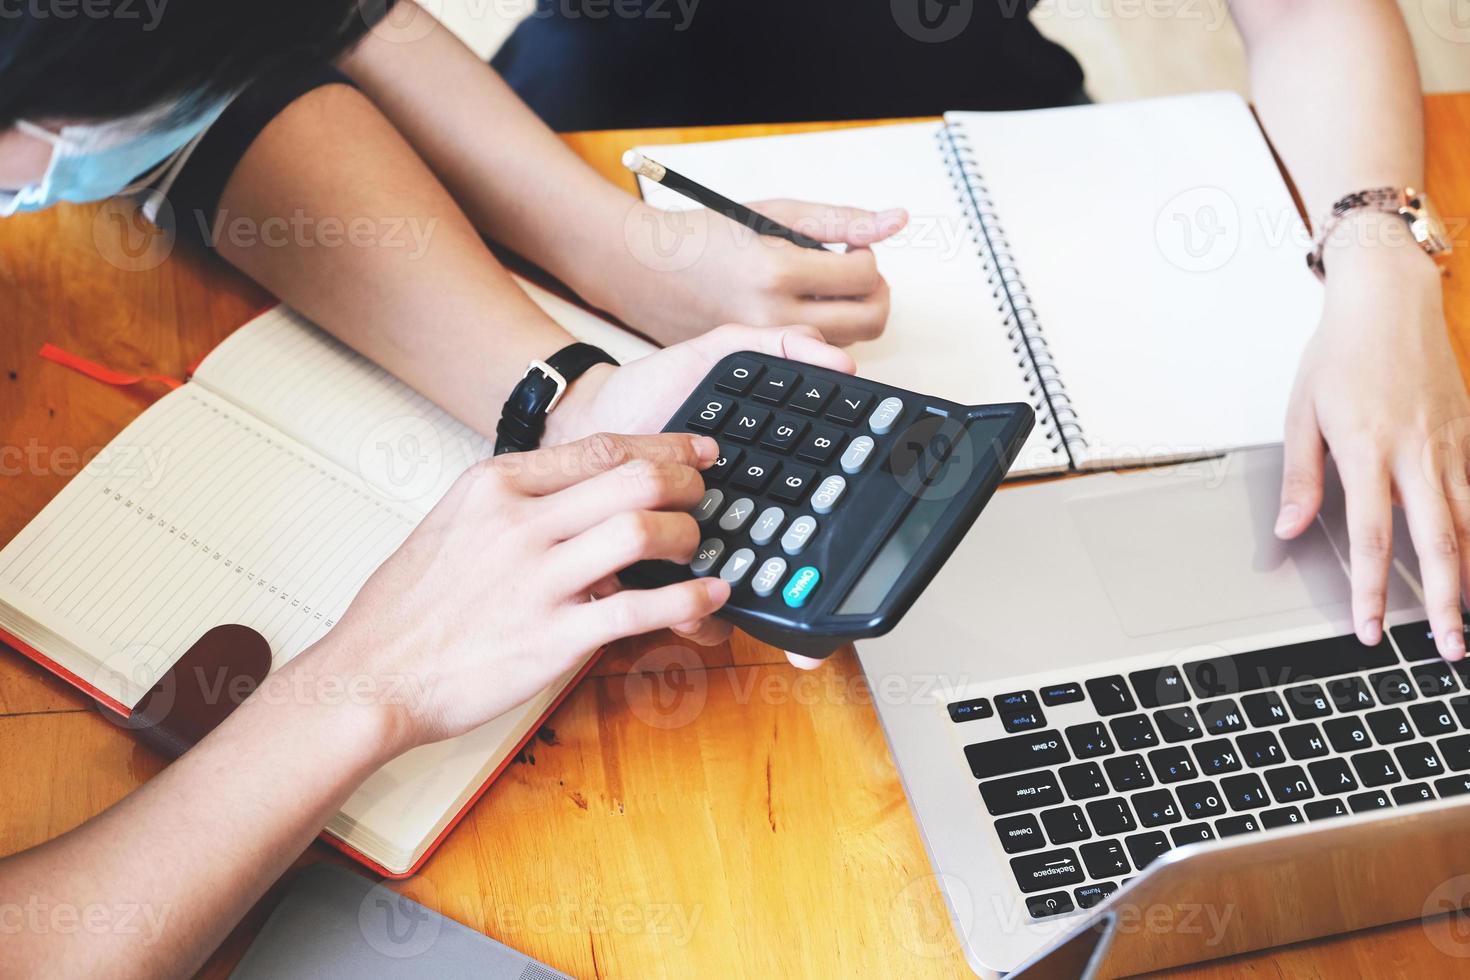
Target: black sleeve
[{"x": 195, "y": 194}]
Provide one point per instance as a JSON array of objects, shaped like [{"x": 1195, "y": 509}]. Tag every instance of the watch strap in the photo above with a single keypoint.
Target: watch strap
[
  {"x": 1402, "y": 202},
  {"x": 523, "y": 419}
]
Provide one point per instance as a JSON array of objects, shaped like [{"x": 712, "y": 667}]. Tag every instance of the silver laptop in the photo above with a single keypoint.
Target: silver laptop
[
  {"x": 332, "y": 923},
  {"x": 1136, "y": 730}
]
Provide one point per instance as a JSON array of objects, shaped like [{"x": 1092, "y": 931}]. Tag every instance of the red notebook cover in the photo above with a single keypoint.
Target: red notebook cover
[
  {"x": 186, "y": 724},
  {"x": 172, "y": 730}
]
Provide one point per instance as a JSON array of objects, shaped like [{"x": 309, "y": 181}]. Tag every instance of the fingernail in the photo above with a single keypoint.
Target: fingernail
[
  {"x": 1453, "y": 645},
  {"x": 1288, "y": 518},
  {"x": 706, "y": 449},
  {"x": 1371, "y": 632},
  {"x": 718, "y": 589}
]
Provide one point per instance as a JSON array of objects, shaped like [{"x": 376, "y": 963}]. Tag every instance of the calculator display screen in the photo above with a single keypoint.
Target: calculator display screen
[{"x": 909, "y": 538}]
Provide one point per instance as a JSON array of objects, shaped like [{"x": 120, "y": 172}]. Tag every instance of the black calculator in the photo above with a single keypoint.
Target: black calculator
[{"x": 835, "y": 499}]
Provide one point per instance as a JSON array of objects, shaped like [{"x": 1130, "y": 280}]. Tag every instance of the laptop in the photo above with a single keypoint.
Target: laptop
[
  {"x": 332, "y": 923},
  {"x": 1139, "y": 731}
]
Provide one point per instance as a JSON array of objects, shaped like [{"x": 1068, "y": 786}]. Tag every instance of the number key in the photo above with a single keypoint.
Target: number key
[
  {"x": 747, "y": 424},
  {"x": 811, "y": 396},
  {"x": 754, "y": 473},
  {"x": 724, "y": 464},
  {"x": 775, "y": 386},
  {"x": 820, "y": 445},
  {"x": 707, "y": 417},
  {"x": 794, "y": 483},
  {"x": 738, "y": 377},
  {"x": 850, "y": 405},
  {"x": 784, "y": 433}
]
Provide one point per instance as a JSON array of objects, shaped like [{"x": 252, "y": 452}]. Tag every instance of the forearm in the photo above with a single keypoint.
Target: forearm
[
  {"x": 515, "y": 179},
  {"x": 332, "y": 211},
  {"x": 1337, "y": 88},
  {"x": 155, "y": 883}
]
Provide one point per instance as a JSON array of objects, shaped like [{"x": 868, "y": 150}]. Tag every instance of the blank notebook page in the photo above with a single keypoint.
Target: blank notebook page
[
  {"x": 197, "y": 515},
  {"x": 1166, "y": 264},
  {"x": 945, "y": 337}
]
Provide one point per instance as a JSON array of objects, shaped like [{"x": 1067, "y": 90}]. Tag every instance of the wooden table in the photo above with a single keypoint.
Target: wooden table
[{"x": 734, "y": 817}]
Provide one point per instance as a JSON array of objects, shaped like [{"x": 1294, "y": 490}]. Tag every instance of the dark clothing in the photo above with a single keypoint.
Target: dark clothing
[
  {"x": 618, "y": 64},
  {"x": 195, "y": 195}
]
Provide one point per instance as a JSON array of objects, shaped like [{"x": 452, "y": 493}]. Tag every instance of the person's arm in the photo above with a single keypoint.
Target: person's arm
[
  {"x": 670, "y": 276},
  {"x": 187, "y": 854},
  {"x": 1337, "y": 88},
  {"x": 332, "y": 211}
]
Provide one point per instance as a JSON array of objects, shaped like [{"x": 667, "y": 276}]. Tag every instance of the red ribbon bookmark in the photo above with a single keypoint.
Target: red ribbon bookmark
[{"x": 98, "y": 372}]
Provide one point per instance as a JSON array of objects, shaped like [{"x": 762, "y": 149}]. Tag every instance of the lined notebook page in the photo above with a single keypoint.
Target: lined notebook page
[
  {"x": 321, "y": 393},
  {"x": 1165, "y": 261},
  {"x": 945, "y": 336},
  {"x": 196, "y": 515}
]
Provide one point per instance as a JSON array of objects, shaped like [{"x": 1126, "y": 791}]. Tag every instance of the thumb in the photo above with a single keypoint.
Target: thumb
[
  {"x": 1301, "y": 476},
  {"x": 834, "y": 223}
]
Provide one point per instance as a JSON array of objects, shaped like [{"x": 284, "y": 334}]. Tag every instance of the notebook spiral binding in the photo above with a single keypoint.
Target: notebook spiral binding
[{"x": 1055, "y": 414}]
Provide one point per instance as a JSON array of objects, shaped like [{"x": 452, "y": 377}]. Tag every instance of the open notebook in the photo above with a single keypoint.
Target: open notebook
[
  {"x": 264, "y": 492},
  {"x": 1133, "y": 270}
]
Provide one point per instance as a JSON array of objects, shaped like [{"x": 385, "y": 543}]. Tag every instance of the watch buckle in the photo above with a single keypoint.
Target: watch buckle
[
  {"x": 554, "y": 375},
  {"x": 1424, "y": 224}
]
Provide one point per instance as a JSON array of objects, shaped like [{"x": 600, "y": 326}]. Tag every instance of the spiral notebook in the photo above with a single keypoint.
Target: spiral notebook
[
  {"x": 263, "y": 493},
  {"x": 1134, "y": 270}
]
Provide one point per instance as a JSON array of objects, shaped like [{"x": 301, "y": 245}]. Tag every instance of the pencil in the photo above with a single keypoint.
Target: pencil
[{"x": 734, "y": 210}]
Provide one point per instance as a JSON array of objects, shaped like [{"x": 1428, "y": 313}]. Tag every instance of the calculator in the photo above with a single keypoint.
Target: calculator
[{"x": 834, "y": 499}]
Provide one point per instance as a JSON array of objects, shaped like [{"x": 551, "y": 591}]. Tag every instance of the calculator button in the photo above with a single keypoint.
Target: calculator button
[
  {"x": 811, "y": 396},
  {"x": 850, "y": 405},
  {"x": 883, "y": 417},
  {"x": 794, "y": 483},
  {"x": 709, "y": 506},
  {"x": 707, "y": 556},
  {"x": 801, "y": 587},
  {"x": 754, "y": 473},
  {"x": 855, "y": 456},
  {"x": 820, "y": 445},
  {"x": 776, "y": 385},
  {"x": 707, "y": 417},
  {"x": 724, "y": 464},
  {"x": 738, "y": 566},
  {"x": 828, "y": 494},
  {"x": 763, "y": 532},
  {"x": 798, "y": 535},
  {"x": 768, "y": 577},
  {"x": 747, "y": 424},
  {"x": 784, "y": 433},
  {"x": 738, "y": 515},
  {"x": 738, "y": 377}
]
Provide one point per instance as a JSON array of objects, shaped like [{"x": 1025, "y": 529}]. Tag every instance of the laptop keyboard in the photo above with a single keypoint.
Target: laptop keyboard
[{"x": 1143, "y": 762}]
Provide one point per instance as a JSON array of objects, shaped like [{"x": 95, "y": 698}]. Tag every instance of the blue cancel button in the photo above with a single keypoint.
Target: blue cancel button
[{"x": 801, "y": 586}]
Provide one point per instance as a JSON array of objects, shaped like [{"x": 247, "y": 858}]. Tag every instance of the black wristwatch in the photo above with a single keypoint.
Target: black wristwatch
[{"x": 523, "y": 420}]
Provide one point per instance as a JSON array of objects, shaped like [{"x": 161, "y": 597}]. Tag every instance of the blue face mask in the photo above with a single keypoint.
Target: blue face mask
[{"x": 96, "y": 162}]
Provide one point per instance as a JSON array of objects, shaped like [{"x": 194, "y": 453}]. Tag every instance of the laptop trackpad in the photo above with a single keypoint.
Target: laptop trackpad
[{"x": 1188, "y": 555}]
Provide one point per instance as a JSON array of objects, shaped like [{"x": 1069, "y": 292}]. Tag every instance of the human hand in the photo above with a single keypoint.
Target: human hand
[
  {"x": 491, "y": 598},
  {"x": 1378, "y": 386},
  {"x": 642, "y": 396},
  {"x": 695, "y": 269}
]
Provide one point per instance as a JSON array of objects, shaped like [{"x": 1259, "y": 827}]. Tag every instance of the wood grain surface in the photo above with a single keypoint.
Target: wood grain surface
[{"x": 688, "y": 813}]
